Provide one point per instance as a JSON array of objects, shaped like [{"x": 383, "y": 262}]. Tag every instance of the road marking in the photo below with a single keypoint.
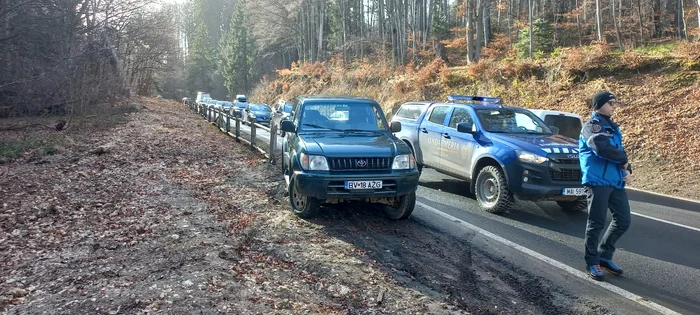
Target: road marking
[
  {"x": 577, "y": 273},
  {"x": 665, "y": 221}
]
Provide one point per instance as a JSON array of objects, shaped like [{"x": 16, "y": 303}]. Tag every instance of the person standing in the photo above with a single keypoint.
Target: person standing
[{"x": 606, "y": 170}]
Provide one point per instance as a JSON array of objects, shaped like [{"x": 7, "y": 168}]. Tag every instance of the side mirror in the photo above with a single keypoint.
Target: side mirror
[
  {"x": 395, "y": 126},
  {"x": 279, "y": 111},
  {"x": 466, "y": 127},
  {"x": 554, "y": 129},
  {"x": 288, "y": 126}
]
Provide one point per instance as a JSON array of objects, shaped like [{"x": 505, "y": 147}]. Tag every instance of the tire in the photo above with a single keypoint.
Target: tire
[
  {"x": 404, "y": 208},
  {"x": 303, "y": 206},
  {"x": 492, "y": 190},
  {"x": 573, "y": 206}
]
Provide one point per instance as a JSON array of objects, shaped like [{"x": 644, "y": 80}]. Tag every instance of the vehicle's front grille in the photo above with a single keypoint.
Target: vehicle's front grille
[
  {"x": 565, "y": 161},
  {"x": 359, "y": 164},
  {"x": 565, "y": 174}
]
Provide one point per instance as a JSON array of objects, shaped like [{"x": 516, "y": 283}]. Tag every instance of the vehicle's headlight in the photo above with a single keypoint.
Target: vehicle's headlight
[
  {"x": 253, "y": 115},
  {"x": 403, "y": 162},
  {"x": 528, "y": 157},
  {"x": 313, "y": 162}
]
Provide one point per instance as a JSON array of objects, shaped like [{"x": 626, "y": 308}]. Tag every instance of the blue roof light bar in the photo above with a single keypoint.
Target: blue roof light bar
[{"x": 467, "y": 98}]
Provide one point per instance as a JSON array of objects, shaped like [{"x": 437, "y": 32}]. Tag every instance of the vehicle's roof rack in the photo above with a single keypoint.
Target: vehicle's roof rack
[{"x": 479, "y": 100}]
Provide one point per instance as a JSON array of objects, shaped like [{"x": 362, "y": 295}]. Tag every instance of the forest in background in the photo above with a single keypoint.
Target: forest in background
[{"x": 68, "y": 56}]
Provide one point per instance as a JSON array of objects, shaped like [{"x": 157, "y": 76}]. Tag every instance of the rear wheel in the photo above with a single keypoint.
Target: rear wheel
[
  {"x": 403, "y": 207},
  {"x": 573, "y": 206},
  {"x": 492, "y": 190},
  {"x": 303, "y": 206}
]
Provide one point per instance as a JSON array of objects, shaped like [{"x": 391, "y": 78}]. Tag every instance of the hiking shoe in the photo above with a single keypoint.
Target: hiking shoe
[
  {"x": 595, "y": 272},
  {"x": 610, "y": 266}
]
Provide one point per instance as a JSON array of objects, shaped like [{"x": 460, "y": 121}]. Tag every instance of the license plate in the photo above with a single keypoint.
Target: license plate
[
  {"x": 363, "y": 184},
  {"x": 573, "y": 192}
]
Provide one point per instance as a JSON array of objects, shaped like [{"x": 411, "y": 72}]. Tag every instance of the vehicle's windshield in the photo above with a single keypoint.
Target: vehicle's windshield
[
  {"x": 288, "y": 107},
  {"x": 260, "y": 108},
  {"x": 504, "y": 120},
  {"x": 343, "y": 117},
  {"x": 568, "y": 126}
]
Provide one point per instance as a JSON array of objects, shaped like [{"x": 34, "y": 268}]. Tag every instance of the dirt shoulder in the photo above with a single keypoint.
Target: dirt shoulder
[{"x": 158, "y": 212}]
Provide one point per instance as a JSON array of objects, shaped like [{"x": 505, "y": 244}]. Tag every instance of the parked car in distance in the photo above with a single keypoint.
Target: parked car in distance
[
  {"x": 282, "y": 111},
  {"x": 239, "y": 104},
  {"x": 565, "y": 123},
  {"x": 257, "y": 113},
  {"x": 502, "y": 151},
  {"x": 211, "y": 105},
  {"x": 201, "y": 97},
  {"x": 354, "y": 158}
]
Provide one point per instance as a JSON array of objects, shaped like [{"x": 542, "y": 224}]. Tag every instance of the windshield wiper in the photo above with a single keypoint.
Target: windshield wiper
[
  {"x": 321, "y": 127},
  {"x": 360, "y": 130}
]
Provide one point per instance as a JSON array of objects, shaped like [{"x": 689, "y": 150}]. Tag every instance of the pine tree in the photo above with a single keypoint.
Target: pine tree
[
  {"x": 542, "y": 33},
  {"x": 237, "y": 52},
  {"x": 201, "y": 54}
]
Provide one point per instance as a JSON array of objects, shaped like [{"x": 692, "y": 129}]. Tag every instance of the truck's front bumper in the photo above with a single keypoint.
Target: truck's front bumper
[
  {"x": 332, "y": 185},
  {"x": 544, "y": 181}
]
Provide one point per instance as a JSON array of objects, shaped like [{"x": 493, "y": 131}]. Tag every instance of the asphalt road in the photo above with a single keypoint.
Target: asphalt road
[{"x": 661, "y": 259}]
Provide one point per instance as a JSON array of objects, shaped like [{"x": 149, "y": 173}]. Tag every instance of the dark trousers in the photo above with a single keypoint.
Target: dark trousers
[{"x": 600, "y": 198}]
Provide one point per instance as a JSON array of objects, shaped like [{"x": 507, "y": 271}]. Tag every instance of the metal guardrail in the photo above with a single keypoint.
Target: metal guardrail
[{"x": 222, "y": 120}]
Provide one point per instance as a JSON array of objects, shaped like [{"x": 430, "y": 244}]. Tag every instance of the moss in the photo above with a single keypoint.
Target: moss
[
  {"x": 15, "y": 148},
  {"x": 659, "y": 50}
]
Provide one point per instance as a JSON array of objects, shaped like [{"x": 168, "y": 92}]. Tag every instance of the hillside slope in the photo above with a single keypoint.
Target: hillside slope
[{"x": 658, "y": 85}]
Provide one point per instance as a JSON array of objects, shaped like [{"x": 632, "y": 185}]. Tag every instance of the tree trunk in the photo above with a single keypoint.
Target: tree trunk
[
  {"x": 320, "y": 30},
  {"x": 486, "y": 18},
  {"x": 578, "y": 26},
  {"x": 469, "y": 32},
  {"x": 597, "y": 20},
  {"x": 344, "y": 18},
  {"x": 510, "y": 22},
  {"x": 617, "y": 29},
  {"x": 529, "y": 17},
  {"x": 480, "y": 28},
  {"x": 681, "y": 19},
  {"x": 698, "y": 3},
  {"x": 641, "y": 26}
]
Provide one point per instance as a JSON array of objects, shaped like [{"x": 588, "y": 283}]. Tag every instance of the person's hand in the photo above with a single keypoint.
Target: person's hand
[{"x": 628, "y": 177}]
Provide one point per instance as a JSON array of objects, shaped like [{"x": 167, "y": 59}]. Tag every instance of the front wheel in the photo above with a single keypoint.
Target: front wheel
[
  {"x": 492, "y": 190},
  {"x": 403, "y": 207},
  {"x": 573, "y": 206},
  {"x": 303, "y": 206}
]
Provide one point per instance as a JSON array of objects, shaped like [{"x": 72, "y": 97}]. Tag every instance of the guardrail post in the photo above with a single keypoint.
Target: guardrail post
[
  {"x": 273, "y": 143},
  {"x": 238, "y": 129},
  {"x": 228, "y": 122},
  {"x": 252, "y": 136}
]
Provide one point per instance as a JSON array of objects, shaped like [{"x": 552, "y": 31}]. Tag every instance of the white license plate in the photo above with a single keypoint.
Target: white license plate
[
  {"x": 573, "y": 192},
  {"x": 363, "y": 184}
]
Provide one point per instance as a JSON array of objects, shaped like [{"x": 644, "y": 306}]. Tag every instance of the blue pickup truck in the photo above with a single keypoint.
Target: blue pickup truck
[{"x": 504, "y": 152}]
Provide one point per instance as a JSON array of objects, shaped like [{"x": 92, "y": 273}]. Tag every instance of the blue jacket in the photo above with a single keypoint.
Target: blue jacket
[{"x": 601, "y": 154}]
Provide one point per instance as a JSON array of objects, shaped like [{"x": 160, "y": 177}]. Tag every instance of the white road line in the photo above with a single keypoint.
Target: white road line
[
  {"x": 577, "y": 273},
  {"x": 665, "y": 221}
]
